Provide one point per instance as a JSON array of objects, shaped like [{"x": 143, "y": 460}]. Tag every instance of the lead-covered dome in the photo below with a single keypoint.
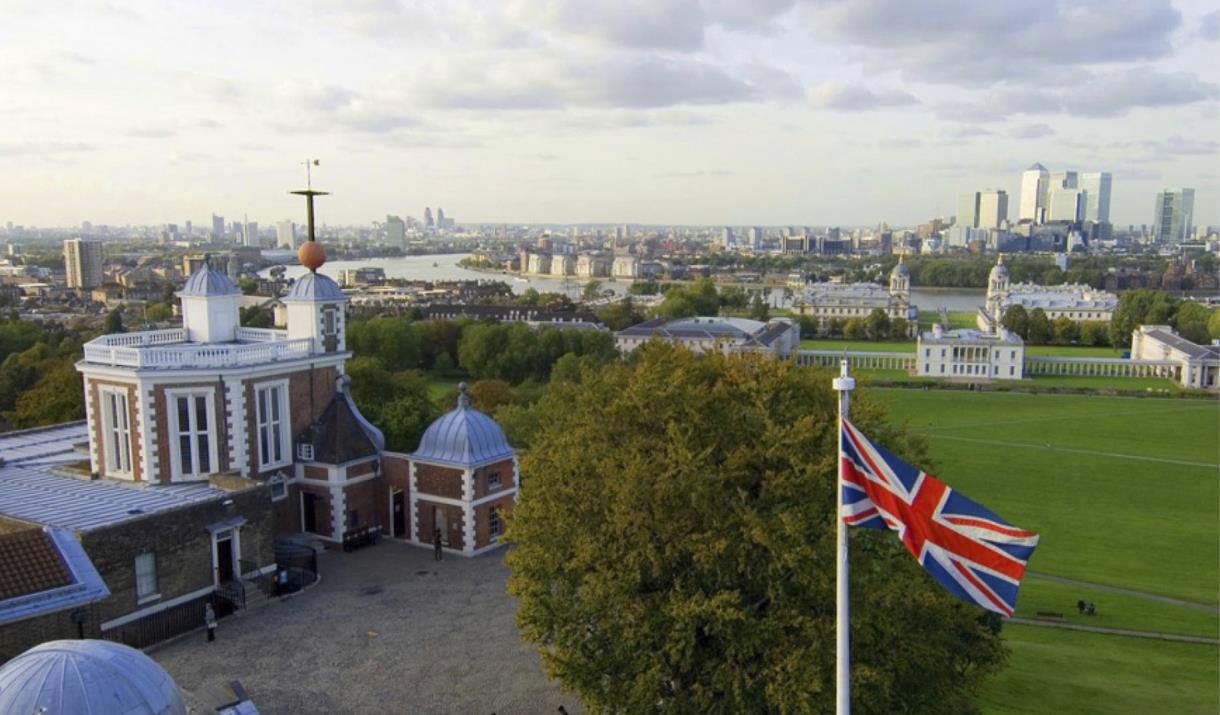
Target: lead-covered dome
[
  {"x": 900, "y": 270},
  {"x": 207, "y": 282},
  {"x": 999, "y": 270},
  {"x": 464, "y": 437},
  {"x": 314, "y": 287},
  {"x": 87, "y": 676}
]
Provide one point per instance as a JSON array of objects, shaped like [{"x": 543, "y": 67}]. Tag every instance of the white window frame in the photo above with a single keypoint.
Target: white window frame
[
  {"x": 493, "y": 481},
  {"x": 176, "y": 431},
  {"x": 284, "y": 426},
  {"x": 495, "y": 524},
  {"x": 151, "y": 594},
  {"x": 280, "y": 482},
  {"x": 117, "y": 462}
]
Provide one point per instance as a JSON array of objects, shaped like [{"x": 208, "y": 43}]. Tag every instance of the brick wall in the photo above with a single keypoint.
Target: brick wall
[
  {"x": 504, "y": 468},
  {"x": 438, "y": 481},
  {"x": 322, "y": 508},
  {"x": 395, "y": 474},
  {"x": 482, "y": 521},
  {"x": 309, "y": 391},
  {"x": 16, "y": 638},
  {"x": 455, "y": 521},
  {"x": 369, "y": 500}
]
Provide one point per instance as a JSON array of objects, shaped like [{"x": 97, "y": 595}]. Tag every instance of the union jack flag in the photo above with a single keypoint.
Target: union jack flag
[{"x": 973, "y": 553}]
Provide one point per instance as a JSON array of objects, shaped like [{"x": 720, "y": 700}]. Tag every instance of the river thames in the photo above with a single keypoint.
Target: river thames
[{"x": 444, "y": 267}]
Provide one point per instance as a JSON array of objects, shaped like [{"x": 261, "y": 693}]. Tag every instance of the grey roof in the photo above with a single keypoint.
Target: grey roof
[
  {"x": 464, "y": 437},
  {"x": 703, "y": 328},
  {"x": 999, "y": 269},
  {"x": 901, "y": 269},
  {"x": 84, "y": 584},
  {"x": 1180, "y": 343},
  {"x": 38, "y": 494},
  {"x": 1036, "y": 167},
  {"x": 43, "y": 445},
  {"x": 341, "y": 433},
  {"x": 87, "y": 676},
  {"x": 314, "y": 287},
  {"x": 206, "y": 282}
]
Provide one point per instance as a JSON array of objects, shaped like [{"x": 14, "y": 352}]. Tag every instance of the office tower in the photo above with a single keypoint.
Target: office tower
[
  {"x": 756, "y": 238},
  {"x": 428, "y": 218},
  {"x": 395, "y": 232},
  {"x": 250, "y": 233},
  {"x": 189, "y": 229},
  {"x": 968, "y": 209},
  {"x": 285, "y": 235},
  {"x": 1096, "y": 185},
  {"x": 218, "y": 227},
  {"x": 1066, "y": 204},
  {"x": 992, "y": 208},
  {"x": 1174, "y": 215},
  {"x": 86, "y": 227},
  {"x": 726, "y": 237},
  {"x": 440, "y": 217},
  {"x": 1034, "y": 181},
  {"x": 83, "y": 263}
]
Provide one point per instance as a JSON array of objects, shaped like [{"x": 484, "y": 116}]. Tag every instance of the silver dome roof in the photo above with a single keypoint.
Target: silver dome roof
[
  {"x": 87, "y": 676},
  {"x": 207, "y": 282},
  {"x": 314, "y": 287},
  {"x": 464, "y": 437}
]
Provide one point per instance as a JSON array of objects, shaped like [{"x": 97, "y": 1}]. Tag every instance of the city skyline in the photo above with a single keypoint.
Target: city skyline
[{"x": 682, "y": 112}]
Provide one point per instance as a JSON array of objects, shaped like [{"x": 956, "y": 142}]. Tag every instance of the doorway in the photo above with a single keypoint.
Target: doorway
[
  {"x": 309, "y": 517},
  {"x": 224, "y": 558},
  {"x": 440, "y": 521},
  {"x": 398, "y": 515}
]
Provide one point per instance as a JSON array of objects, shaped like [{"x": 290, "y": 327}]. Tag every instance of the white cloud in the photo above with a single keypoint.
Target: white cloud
[{"x": 855, "y": 98}]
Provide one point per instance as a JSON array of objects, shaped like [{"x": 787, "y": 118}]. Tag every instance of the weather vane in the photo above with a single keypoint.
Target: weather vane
[{"x": 309, "y": 193}]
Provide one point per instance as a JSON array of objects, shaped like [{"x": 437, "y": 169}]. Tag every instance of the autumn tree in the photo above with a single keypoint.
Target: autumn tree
[
  {"x": 674, "y": 549},
  {"x": 1039, "y": 330}
]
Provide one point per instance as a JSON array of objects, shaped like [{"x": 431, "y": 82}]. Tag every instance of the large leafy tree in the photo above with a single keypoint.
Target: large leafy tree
[{"x": 675, "y": 549}]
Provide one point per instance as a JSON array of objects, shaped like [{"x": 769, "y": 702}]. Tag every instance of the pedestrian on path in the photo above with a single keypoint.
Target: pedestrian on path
[
  {"x": 209, "y": 620},
  {"x": 438, "y": 554}
]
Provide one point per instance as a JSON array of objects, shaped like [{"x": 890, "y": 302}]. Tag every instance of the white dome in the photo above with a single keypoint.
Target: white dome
[
  {"x": 206, "y": 282},
  {"x": 999, "y": 270},
  {"x": 314, "y": 287},
  {"x": 87, "y": 676}
]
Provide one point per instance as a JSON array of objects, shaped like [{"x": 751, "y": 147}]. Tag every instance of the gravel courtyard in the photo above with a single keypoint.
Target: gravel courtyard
[{"x": 388, "y": 630}]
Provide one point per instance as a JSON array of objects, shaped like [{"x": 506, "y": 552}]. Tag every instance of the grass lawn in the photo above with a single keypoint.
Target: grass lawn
[
  {"x": 1057, "y": 671},
  {"x": 1105, "y": 514},
  {"x": 1073, "y": 351},
  {"x": 438, "y": 387},
  {"x": 1114, "y": 610},
  {"x": 1103, "y": 383},
  {"x": 957, "y": 319}
]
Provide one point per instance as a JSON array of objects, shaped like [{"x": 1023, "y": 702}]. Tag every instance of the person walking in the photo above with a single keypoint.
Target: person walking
[
  {"x": 209, "y": 620},
  {"x": 438, "y": 553}
]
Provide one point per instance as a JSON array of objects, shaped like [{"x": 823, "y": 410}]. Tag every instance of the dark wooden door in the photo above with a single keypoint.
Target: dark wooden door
[
  {"x": 309, "y": 509},
  {"x": 400, "y": 515},
  {"x": 224, "y": 560}
]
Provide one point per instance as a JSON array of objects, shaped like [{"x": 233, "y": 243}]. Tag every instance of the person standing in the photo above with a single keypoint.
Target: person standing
[
  {"x": 438, "y": 553},
  {"x": 209, "y": 620}
]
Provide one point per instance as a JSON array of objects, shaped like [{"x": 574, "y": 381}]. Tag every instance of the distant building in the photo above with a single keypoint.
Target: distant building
[
  {"x": 563, "y": 264},
  {"x": 366, "y": 275},
  {"x": 1074, "y": 301},
  {"x": 1174, "y": 215},
  {"x": 1199, "y": 364},
  {"x": 83, "y": 263},
  {"x": 1096, "y": 185},
  {"x": 428, "y": 222},
  {"x": 539, "y": 263},
  {"x": 1034, "y": 189},
  {"x": 842, "y": 301},
  {"x": 395, "y": 232},
  {"x": 780, "y": 337},
  {"x": 726, "y": 238},
  {"x": 532, "y": 316},
  {"x": 250, "y": 233},
  {"x": 593, "y": 265},
  {"x": 440, "y": 217},
  {"x": 218, "y": 227},
  {"x": 755, "y": 236},
  {"x": 626, "y": 267},
  {"x": 285, "y": 234},
  {"x": 969, "y": 354}
]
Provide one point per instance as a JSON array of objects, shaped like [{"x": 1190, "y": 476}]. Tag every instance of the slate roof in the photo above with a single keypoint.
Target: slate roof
[
  {"x": 1177, "y": 342},
  {"x": 55, "y": 444},
  {"x": 341, "y": 434}
]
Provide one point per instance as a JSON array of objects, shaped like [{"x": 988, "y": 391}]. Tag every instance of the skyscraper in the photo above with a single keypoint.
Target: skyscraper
[
  {"x": 1174, "y": 215},
  {"x": 755, "y": 238},
  {"x": 428, "y": 218},
  {"x": 993, "y": 208},
  {"x": 1096, "y": 185},
  {"x": 218, "y": 227},
  {"x": 1066, "y": 204},
  {"x": 726, "y": 236},
  {"x": 968, "y": 209},
  {"x": 395, "y": 232},
  {"x": 83, "y": 263},
  {"x": 1034, "y": 181},
  {"x": 285, "y": 235},
  {"x": 440, "y": 217},
  {"x": 250, "y": 233}
]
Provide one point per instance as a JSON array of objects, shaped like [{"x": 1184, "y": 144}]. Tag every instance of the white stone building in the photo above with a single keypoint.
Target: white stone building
[
  {"x": 969, "y": 354},
  {"x": 780, "y": 337},
  {"x": 827, "y": 301},
  {"x": 626, "y": 267},
  {"x": 1075, "y": 301},
  {"x": 1200, "y": 364}
]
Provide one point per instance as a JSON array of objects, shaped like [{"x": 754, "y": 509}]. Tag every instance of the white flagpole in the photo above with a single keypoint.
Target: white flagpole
[{"x": 843, "y": 385}]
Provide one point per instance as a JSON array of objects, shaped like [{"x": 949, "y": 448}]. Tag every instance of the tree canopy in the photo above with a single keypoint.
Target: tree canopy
[{"x": 674, "y": 549}]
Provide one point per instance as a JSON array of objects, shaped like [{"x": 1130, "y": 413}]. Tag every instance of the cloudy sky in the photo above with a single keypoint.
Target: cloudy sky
[{"x": 654, "y": 111}]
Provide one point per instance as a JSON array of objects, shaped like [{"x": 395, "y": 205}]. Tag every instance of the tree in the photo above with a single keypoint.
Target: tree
[
  {"x": 256, "y": 317},
  {"x": 675, "y": 549},
  {"x": 248, "y": 285},
  {"x": 1016, "y": 320},
  {"x": 621, "y": 314},
  {"x": 855, "y": 329},
  {"x": 1190, "y": 319},
  {"x": 1136, "y": 308},
  {"x": 57, "y": 396},
  {"x": 877, "y": 325},
  {"x": 1039, "y": 331},
  {"x": 1065, "y": 330},
  {"x": 899, "y": 329},
  {"x": 592, "y": 290},
  {"x": 1094, "y": 332},
  {"x": 758, "y": 309},
  {"x": 157, "y": 312},
  {"x": 114, "y": 322},
  {"x": 1213, "y": 325}
]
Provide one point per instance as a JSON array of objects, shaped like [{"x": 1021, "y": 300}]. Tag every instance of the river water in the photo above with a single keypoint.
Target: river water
[{"x": 445, "y": 267}]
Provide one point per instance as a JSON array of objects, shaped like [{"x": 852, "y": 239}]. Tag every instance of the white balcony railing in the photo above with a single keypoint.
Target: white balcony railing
[{"x": 158, "y": 350}]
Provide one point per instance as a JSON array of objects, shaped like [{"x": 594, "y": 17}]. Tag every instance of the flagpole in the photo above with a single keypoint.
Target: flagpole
[{"x": 843, "y": 384}]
